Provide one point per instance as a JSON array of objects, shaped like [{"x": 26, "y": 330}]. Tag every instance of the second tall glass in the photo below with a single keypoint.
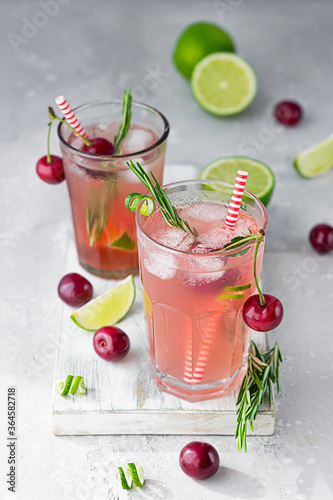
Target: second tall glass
[{"x": 98, "y": 185}]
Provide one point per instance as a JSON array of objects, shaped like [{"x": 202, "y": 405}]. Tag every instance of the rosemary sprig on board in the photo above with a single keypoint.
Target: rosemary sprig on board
[
  {"x": 262, "y": 373},
  {"x": 168, "y": 211}
]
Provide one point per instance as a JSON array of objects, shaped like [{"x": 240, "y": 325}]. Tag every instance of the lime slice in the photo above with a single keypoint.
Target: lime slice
[
  {"x": 315, "y": 160},
  {"x": 261, "y": 179},
  {"x": 197, "y": 41},
  {"x": 124, "y": 242},
  {"x": 223, "y": 84},
  {"x": 107, "y": 309}
]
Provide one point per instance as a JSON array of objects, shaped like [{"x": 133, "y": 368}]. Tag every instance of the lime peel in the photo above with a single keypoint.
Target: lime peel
[
  {"x": 70, "y": 386},
  {"x": 132, "y": 474},
  {"x": 197, "y": 41},
  {"x": 133, "y": 200}
]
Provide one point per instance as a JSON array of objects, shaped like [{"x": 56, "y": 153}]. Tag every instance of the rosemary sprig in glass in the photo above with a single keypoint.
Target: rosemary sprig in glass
[
  {"x": 168, "y": 211},
  {"x": 97, "y": 211},
  {"x": 126, "y": 121}
]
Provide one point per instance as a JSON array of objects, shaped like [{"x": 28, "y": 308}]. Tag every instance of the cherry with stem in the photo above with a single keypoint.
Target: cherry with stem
[
  {"x": 262, "y": 312},
  {"x": 96, "y": 146},
  {"x": 50, "y": 168}
]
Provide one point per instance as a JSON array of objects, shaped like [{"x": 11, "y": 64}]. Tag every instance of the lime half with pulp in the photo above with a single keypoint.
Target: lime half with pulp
[
  {"x": 107, "y": 309},
  {"x": 260, "y": 181},
  {"x": 223, "y": 84},
  {"x": 315, "y": 160}
]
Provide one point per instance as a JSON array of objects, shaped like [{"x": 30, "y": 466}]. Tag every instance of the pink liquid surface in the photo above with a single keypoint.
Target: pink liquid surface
[{"x": 185, "y": 316}]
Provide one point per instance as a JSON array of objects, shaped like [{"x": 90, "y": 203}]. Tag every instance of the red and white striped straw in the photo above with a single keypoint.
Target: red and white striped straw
[
  {"x": 187, "y": 377},
  {"x": 236, "y": 199},
  {"x": 69, "y": 115},
  {"x": 204, "y": 353}
]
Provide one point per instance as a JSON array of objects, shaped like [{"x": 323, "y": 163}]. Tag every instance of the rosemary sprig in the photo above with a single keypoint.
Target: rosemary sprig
[
  {"x": 168, "y": 211},
  {"x": 126, "y": 121},
  {"x": 262, "y": 372}
]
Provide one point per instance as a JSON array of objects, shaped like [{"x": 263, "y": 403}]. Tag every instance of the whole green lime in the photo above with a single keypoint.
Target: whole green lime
[{"x": 197, "y": 41}]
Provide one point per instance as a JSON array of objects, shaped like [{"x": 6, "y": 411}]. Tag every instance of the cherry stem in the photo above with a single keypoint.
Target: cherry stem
[
  {"x": 53, "y": 116},
  {"x": 262, "y": 300},
  {"x": 48, "y": 156}
]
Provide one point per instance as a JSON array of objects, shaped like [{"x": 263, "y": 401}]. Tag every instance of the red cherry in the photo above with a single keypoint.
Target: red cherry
[
  {"x": 52, "y": 173},
  {"x": 262, "y": 318},
  {"x": 199, "y": 460},
  {"x": 288, "y": 112},
  {"x": 99, "y": 146},
  {"x": 321, "y": 238},
  {"x": 111, "y": 343},
  {"x": 75, "y": 290}
]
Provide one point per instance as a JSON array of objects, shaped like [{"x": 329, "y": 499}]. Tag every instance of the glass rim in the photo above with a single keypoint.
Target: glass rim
[
  {"x": 215, "y": 253},
  {"x": 117, "y": 157}
]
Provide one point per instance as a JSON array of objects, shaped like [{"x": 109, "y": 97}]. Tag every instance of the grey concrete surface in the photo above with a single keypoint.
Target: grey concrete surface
[{"x": 91, "y": 50}]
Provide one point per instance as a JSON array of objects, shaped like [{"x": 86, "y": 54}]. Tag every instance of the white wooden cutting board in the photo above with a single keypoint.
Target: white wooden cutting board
[{"x": 122, "y": 398}]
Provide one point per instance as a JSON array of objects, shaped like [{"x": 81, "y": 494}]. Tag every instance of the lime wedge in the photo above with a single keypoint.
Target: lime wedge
[
  {"x": 315, "y": 160},
  {"x": 261, "y": 179},
  {"x": 223, "y": 84},
  {"x": 124, "y": 242},
  {"x": 197, "y": 41},
  {"x": 107, "y": 309}
]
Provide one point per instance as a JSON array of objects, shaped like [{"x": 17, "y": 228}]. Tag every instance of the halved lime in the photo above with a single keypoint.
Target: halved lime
[
  {"x": 223, "y": 84},
  {"x": 315, "y": 160},
  {"x": 261, "y": 179},
  {"x": 197, "y": 41},
  {"x": 107, "y": 309}
]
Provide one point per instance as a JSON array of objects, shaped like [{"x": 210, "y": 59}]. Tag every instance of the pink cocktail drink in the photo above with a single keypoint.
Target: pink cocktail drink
[
  {"x": 194, "y": 293},
  {"x": 104, "y": 229}
]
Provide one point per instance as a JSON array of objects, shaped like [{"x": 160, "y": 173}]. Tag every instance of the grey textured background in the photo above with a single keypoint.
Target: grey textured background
[{"x": 91, "y": 50}]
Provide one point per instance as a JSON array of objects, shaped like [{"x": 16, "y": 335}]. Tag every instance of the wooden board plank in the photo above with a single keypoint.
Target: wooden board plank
[{"x": 123, "y": 398}]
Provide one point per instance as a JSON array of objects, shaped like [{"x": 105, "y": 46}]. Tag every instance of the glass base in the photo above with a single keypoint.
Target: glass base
[
  {"x": 114, "y": 274},
  {"x": 199, "y": 392}
]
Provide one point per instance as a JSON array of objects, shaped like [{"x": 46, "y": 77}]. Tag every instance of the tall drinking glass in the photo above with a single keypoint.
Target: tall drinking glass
[
  {"x": 98, "y": 185},
  {"x": 193, "y": 293}
]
